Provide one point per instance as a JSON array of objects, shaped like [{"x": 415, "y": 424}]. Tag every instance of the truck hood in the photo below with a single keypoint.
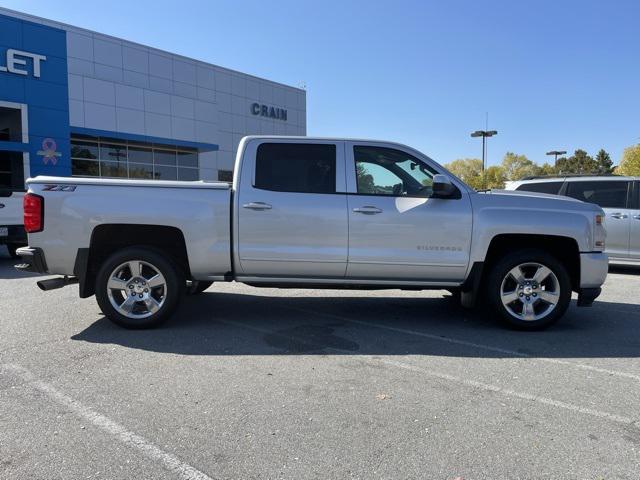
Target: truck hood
[{"x": 532, "y": 200}]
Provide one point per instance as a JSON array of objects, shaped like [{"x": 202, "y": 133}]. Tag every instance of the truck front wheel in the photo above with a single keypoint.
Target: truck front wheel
[
  {"x": 138, "y": 288},
  {"x": 530, "y": 288}
]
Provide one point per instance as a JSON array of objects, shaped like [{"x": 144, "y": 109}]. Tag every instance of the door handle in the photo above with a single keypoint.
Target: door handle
[
  {"x": 619, "y": 216},
  {"x": 257, "y": 206},
  {"x": 368, "y": 210}
]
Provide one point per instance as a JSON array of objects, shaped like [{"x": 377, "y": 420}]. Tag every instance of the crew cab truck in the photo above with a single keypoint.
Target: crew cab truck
[{"x": 314, "y": 213}]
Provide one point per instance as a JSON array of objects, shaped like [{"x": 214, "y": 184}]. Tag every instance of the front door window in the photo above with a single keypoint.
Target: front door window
[{"x": 386, "y": 171}]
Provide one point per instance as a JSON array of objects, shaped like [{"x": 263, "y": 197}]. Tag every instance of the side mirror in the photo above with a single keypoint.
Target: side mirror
[{"x": 442, "y": 187}]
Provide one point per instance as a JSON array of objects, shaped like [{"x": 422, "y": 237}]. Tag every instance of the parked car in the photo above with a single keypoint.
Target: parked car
[
  {"x": 317, "y": 213},
  {"x": 12, "y": 188},
  {"x": 12, "y": 233},
  {"x": 619, "y": 198}
]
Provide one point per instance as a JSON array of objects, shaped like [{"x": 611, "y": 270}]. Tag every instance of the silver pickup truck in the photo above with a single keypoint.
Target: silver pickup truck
[{"x": 314, "y": 213}]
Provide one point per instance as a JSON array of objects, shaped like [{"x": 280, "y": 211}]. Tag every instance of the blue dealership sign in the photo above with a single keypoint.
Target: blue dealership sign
[{"x": 33, "y": 72}]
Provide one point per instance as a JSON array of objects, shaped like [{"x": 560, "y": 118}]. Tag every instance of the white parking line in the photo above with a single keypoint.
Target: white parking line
[
  {"x": 167, "y": 460},
  {"x": 479, "y": 346},
  {"x": 461, "y": 381}
]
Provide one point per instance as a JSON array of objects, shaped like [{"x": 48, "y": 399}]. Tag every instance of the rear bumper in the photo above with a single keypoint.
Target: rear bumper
[
  {"x": 32, "y": 260},
  {"x": 17, "y": 235}
]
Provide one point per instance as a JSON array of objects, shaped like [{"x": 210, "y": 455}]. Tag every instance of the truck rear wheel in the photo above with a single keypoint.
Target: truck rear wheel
[
  {"x": 138, "y": 288},
  {"x": 530, "y": 288}
]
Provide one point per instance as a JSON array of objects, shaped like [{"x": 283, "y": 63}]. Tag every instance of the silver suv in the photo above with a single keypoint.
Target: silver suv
[{"x": 618, "y": 197}]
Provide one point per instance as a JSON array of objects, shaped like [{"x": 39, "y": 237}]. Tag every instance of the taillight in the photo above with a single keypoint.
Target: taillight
[{"x": 33, "y": 213}]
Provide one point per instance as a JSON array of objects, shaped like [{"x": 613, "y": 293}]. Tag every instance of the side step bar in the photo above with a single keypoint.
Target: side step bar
[{"x": 54, "y": 283}]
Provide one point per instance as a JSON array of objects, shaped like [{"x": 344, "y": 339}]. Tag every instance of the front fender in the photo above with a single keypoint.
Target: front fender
[{"x": 492, "y": 221}]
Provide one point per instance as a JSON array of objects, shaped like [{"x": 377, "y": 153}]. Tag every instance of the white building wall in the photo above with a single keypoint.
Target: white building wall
[{"x": 125, "y": 87}]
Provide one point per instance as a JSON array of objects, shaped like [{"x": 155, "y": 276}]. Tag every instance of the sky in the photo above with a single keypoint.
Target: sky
[{"x": 552, "y": 75}]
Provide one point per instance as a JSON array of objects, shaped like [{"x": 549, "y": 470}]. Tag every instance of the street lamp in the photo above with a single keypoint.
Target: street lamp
[
  {"x": 484, "y": 134},
  {"x": 555, "y": 154}
]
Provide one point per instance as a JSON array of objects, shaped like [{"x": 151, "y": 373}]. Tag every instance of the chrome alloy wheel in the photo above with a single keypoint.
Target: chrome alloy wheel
[
  {"x": 136, "y": 289},
  {"x": 530, "y": 291}
]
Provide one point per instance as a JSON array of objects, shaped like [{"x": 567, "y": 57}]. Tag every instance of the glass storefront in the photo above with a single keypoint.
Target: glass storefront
[{"x": 100, "y": 157}]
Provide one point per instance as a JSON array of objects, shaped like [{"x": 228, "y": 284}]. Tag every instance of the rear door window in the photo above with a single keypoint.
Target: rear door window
[
  {"x": 296, "y": 167},
  {"x": 541, "y": 187},
  {"x": 606, "y": 193}
]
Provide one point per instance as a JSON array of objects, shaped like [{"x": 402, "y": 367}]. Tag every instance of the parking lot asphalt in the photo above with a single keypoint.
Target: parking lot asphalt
[{"x": 248, "y": 383}]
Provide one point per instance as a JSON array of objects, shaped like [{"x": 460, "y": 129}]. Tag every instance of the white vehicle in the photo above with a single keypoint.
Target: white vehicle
[
  {"x": 618, "y": 196},
  {"x": 316, "y": 213},
  {"x": 12, "y": 233}
]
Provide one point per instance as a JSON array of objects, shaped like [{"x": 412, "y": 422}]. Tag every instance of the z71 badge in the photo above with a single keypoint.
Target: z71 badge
[{"x": 59, "y": 188}]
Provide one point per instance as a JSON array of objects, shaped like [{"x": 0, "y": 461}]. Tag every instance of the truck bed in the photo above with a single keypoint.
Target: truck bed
[
  {"x": 128, "y": 182},
  {"x": 75, "y": 207}
]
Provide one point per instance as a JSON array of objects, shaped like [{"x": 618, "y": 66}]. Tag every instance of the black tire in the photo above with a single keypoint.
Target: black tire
[
  {"x": 455, "y": 295},
  {"x": 172, "y": 294},
  {"x": 502, "y": 268},
  {"x": 197, "y": 286}
]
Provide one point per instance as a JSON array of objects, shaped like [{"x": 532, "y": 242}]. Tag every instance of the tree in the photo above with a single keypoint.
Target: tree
[
  {"x": 494, "y": 177},
  {"x": 469, "y": 170},
  {"x": 604, "y": 164},
  {"x": 630, "y": 163},
  {"x": 465, "y": 167},
  {"x": 547, "y": 169},
  {"x": 365, "y": 179},
  {"x": 580, "y": 162},
  {"x": 517, "y": 167}
]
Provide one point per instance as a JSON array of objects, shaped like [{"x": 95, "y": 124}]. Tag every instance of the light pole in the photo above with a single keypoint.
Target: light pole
[
  {"x": 484, "y": 134},
  {"x": 555, "y": 154}
]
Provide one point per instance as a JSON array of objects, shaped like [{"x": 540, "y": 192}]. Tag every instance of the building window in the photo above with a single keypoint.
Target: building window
[
  {"x": 98, "y": 157},
  {"x": 11, "y": 171},
  {"x": 10, "y": 125}
]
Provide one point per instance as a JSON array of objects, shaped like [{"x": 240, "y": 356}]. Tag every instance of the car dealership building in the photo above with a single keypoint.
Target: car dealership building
[{"x": 76, "y": 102}]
